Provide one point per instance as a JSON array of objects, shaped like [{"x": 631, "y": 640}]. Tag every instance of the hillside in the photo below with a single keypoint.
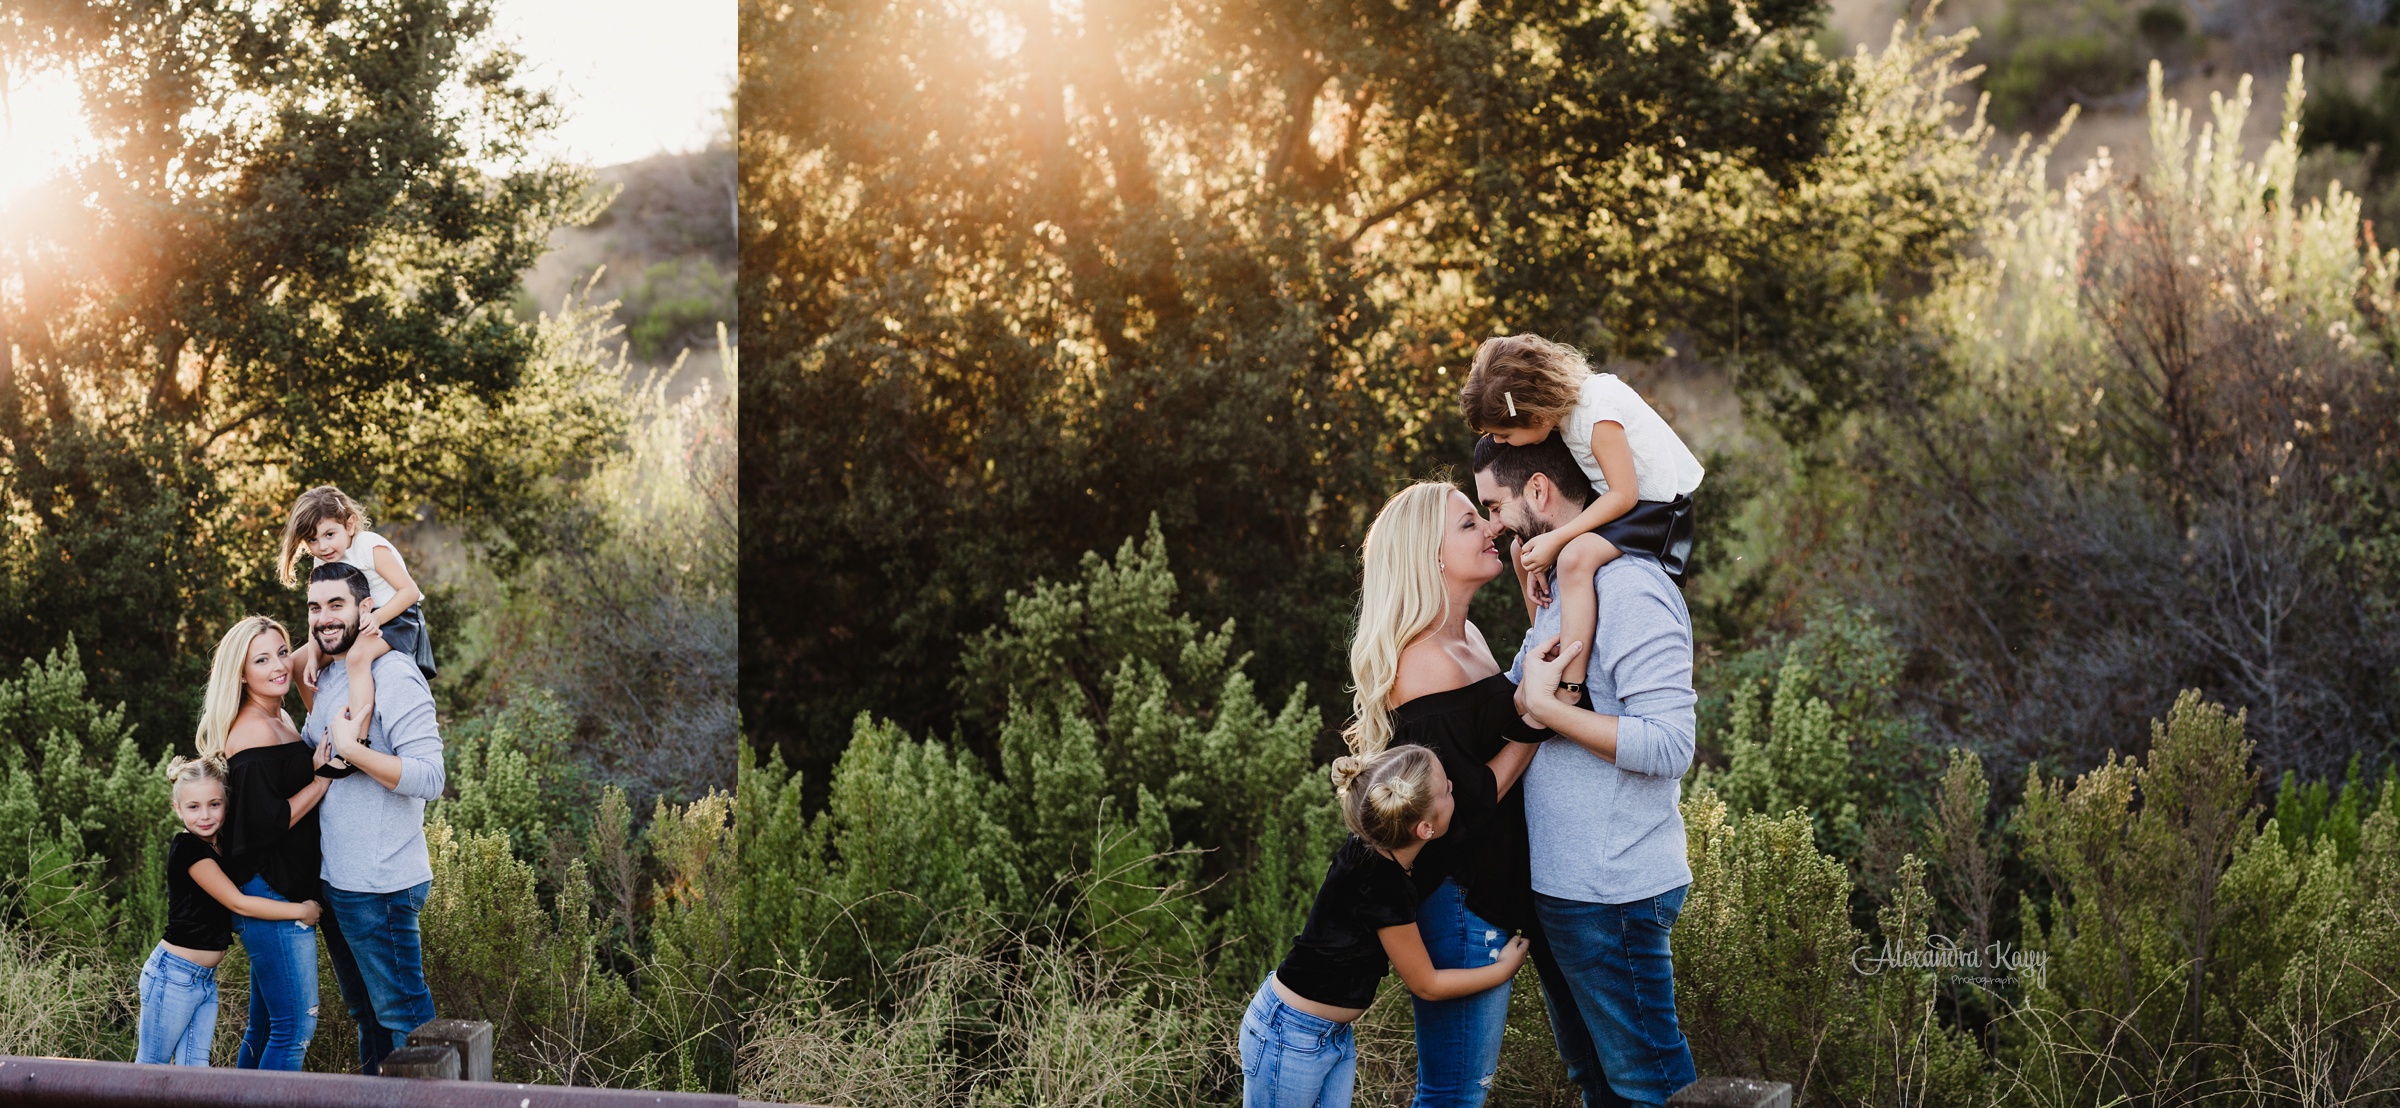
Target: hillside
[{"x": 664, "y": 249}]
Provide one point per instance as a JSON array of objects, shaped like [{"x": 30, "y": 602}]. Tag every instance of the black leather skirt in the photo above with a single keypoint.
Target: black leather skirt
[{"x": 1660, "y": 529}]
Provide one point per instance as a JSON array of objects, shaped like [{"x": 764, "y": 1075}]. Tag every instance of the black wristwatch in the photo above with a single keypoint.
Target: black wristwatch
[{"x": 1575, "y": 687}]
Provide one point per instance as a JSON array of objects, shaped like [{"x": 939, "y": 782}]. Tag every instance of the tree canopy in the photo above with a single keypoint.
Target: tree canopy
[
  {"x": 287, "y": 259},
  {"x": 1026, "y": 275}
]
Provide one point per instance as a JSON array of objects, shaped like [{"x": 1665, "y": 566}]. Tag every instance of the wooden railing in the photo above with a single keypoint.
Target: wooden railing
[
  {"x": 76, "y": 1083},
  {"x": 446, "y": 1064}
]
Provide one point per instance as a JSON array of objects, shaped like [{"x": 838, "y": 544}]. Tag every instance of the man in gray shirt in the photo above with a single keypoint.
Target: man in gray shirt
[
  {"x": 376, "y": 872},
  {"x": 1601, "y": 799}
]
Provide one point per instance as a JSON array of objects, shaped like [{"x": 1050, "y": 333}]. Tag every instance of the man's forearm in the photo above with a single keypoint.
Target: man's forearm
[
  {"x": 1658, "y": 745},
  {"x": 419, "y": 777},
  {"x": 1581, "y": 726},
  {"x": 384, "y": 768}
]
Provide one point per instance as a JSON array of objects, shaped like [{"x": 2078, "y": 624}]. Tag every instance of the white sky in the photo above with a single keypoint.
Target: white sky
[
  {"x": 41, "y": 130},
  {"x": 636, "y": 77}
]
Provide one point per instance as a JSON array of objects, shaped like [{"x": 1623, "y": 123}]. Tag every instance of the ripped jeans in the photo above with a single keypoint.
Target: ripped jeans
[
  {"x": 1458, "y": 1040},
  {"x": 283, "y": 987}
]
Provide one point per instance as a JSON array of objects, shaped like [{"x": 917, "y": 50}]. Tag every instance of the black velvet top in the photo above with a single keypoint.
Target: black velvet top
[
  {"x": 1484, "y": 851},
  {"x": 194, "y": 918},
  {"x": 1338, "y": 957},
  {"x": 259, "y": 835}
]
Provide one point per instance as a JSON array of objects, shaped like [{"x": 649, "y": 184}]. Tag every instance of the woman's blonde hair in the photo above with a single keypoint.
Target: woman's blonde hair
[
  {"x": 309, "y": 513},
  {"x": 1400, "y": 597},
  {"x": 184, "y": 771},
  {"x": 1522, "y": 381},
  {"x": 225, "y": 687},
  {"x": 1386, "y": 795}
]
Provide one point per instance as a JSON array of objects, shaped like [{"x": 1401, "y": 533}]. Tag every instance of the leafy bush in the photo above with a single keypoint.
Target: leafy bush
[
  {"x": 2168, "y": 464},
  {"x": 1141, "y": 790},
  {"x": 675, "y": 306},
  {"x": 624, "y": 980},
  {"x": 622, "y": 600}
]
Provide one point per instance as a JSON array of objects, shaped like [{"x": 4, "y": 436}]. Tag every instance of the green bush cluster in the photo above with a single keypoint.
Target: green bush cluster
[
  {"x": 1052, "y": 930},
  {"x": 602, "y": 949},
  {"x": 1037, "y": 919},
  {"x": 675, "y": 306},
  {"x": 622, "y": 600}
]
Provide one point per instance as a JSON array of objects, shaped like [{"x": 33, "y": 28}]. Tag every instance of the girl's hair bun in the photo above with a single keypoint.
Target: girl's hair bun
[
  {"x": 1398, "y": 793},
  {"x": 184, "y": 769},
  {"x": 1346, "y": 769}
]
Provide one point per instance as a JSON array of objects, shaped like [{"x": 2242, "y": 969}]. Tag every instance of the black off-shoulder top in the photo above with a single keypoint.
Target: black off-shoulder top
[
  {"x": 1485, "y": 851},
  {"x": 259, "y": 836}
]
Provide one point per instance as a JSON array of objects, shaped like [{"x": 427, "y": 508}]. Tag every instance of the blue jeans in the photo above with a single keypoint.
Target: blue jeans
[
  {"x": 1608, "y": 979},
  {"x": 380, "y": 966},
  {"x": 1458, "y": 1040},
  {"x": 179, "y": 1010},
  {"x": 1291, "y": 1059},
  {"x": 283, "y": 987}
]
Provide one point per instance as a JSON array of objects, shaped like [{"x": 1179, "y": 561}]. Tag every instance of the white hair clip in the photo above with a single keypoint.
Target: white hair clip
[{"x": 1512, "y": 403}]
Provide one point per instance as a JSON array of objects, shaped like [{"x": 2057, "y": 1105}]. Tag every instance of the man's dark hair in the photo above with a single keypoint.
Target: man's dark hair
[
  {"x": 1512, "y": 466},
  {"x": 343, "y": 572}
]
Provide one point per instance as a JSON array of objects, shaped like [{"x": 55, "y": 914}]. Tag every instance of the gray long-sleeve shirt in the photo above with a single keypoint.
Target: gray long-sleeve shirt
[
  {"x": 375, "y": 837},
  {"x": 1610, "y": 833}
]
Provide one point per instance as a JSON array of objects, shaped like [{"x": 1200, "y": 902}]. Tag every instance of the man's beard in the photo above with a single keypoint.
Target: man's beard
[
  {"x": 349, "y": 637},
  {"x": 1525, "y": 525}
]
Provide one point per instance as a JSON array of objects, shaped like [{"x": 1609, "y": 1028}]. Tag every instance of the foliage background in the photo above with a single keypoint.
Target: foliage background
[
  {"x": 2045, "y": 599},
  {"x": 294, "y": 254}
]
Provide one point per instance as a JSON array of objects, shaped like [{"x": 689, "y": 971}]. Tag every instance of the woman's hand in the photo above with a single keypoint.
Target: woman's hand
[
  {"x": 310, "y": 913},
  {"x": 322, "y": 755},
  {"x": 1513, "y": 954},
  {"x": 1544, "y": 665}
]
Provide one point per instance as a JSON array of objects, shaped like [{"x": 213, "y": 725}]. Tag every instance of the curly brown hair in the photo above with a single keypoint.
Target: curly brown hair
[
  {"x": 1522, "y": 381},
  {"x": 314, "y": 507}
]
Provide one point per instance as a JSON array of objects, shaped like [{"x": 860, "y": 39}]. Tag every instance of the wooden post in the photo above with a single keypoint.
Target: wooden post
[
  {"x": 1732, "y": 1092},
  {"x": 421, "y": 1061},
  {"x": 470, "y": 1039}
]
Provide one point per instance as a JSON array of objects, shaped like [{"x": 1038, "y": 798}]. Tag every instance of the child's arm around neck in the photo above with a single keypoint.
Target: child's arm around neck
[
  {"x": 405, "y": 593},
  {"x": 1614, "y": 452}
]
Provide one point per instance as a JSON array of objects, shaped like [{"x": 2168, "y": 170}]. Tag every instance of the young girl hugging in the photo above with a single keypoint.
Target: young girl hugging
[
  {"x": 179, "y": 982},
  {"x": 1296, "y": 1044},
  {"x": 330, "y": 527},
  {"x": 1524, "y": 387}
]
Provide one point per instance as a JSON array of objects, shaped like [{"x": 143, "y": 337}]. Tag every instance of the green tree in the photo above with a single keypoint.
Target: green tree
[
  {"x": 286, "y": 260},
  {"x": 1045, "y": 274}
]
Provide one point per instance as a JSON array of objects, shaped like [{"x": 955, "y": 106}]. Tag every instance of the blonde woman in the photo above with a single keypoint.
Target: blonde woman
[
  {"x": 269, "y": 838},
  {"x": 1422, "y": 676}
]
